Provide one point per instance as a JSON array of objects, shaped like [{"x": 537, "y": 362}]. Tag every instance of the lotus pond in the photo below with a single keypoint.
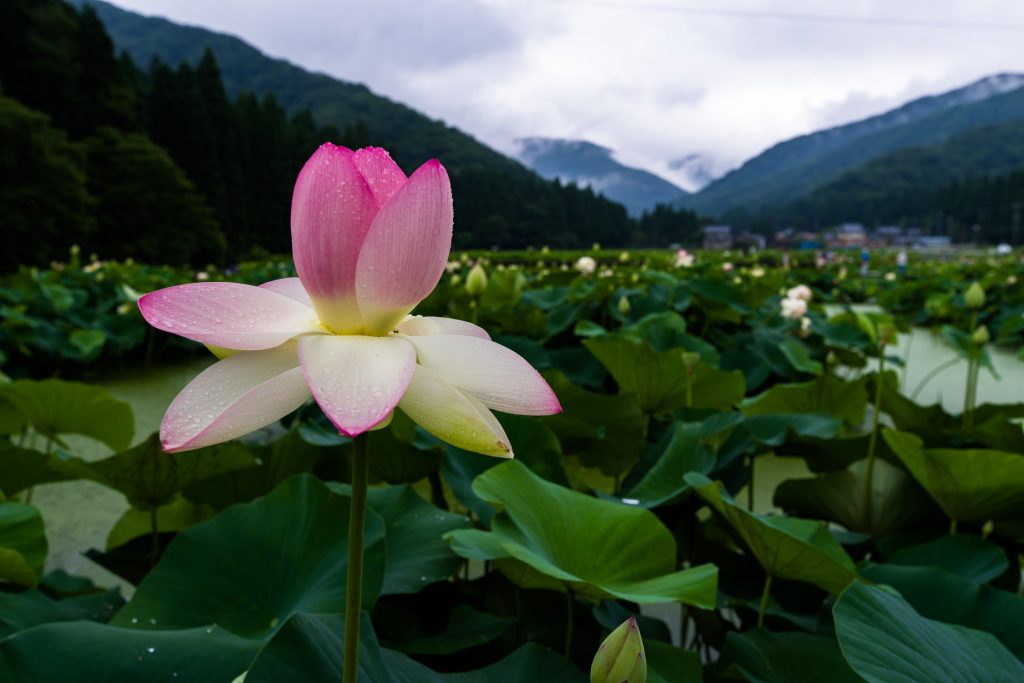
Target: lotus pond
[{"x": 834, "y": 493}]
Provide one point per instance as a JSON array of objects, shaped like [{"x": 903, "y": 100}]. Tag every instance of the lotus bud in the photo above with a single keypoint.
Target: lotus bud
[
  {"x": 691, "y": 359},
  {"x": 624, "y": 306},
  {"x": 886, "y": 334},
  {"x": 620, "y": 659},
  {"x": 980, "y": 336},
  {"x": 476, "y": 281},
  {"x": 974, "y": 297},
  {"x": 596, "y": 246},
  {"x": 624, "y": 256},
  {"x": 456, "y": 280}
]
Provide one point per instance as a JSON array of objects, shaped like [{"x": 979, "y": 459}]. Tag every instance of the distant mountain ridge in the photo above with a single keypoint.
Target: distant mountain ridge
[
  {"x": 594, "y": 166},
  {"x": 796, "y": 167}
]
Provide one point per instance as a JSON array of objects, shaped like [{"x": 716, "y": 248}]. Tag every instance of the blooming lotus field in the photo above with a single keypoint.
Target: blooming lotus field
[{"x": 895, "y": 557}]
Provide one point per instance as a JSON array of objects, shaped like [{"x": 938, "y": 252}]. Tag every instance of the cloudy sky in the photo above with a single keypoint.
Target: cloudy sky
[{"x": 655, "y": 80}]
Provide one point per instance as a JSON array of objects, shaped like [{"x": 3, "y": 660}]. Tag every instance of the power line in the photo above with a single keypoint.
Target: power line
[{"x": 896, "y": 22}]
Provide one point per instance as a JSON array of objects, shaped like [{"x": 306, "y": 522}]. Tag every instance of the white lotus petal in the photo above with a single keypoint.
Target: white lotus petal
[
  {"x": 235, "y": 396},
  {"x": 499, "y": 377},
  {"x": 356, "y": 380},
  {"x": 453, "y": 415}
]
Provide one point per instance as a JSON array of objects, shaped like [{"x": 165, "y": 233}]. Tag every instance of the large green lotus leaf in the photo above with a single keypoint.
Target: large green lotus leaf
[
  {"x": 657, "y": 378},
  {"x": 395, "y": 461},
  {"x": 459, "y": 468},
  {"x": 716, "y": 389},
  {"x": 255, "y": 564},
  {"x": 669, "y": 664},
  {"x": 929, "y": 422},
  {"x": 592, "y": 547},
  {"x": 843, "y": 400},
  {"x": 774, "y": 429},
  {"x": 53, "y": 407},
  {"x": 787, "y": 547},
  {"x": 22, "y": 610},
  {"x": 952, "y": 599},
  {"x": 660, "y": 379},
  {"x": 178, "y": 515},
  {"x": 897, "y": 501},
  {"x": 274, "y": 462},
  {"x": 309, "y": 647},
  {"x": 789, "y": 657},
  {"x": 19, "y": 611},
  {"x": 885, "y": 640},
  {"x": 666, "y": 330},
  {"x": 966, "y": 555},
  {"x": 834, "y": 454},
  {"x": 466, "y": 628},
  {"x": 799, "y": 357},
  {"x": 414, "y": 536},
  {"x": 969, "y": 484},
  {"x": 21, "y": 468},
  {"x": 149, "y": 477},
  {"x": 681, "y": 452},
  {"x": 602, "y": 431},
  {"x": 86, "y": 652},
  {"x": 22, "y": 544}
]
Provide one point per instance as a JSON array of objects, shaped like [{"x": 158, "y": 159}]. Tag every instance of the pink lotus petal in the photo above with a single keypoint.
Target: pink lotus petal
[
  {"x": 290, "y": 287},
  {"x": 228, "y": 314},
  {"x": 332, "y": 209},
  {"x": 406, "y": 249},
  {"x": 499, "y": 377},
  {"x": 356, "y": 380},
  {"x": 233, "y": 397},
  {"x": 420, "y": 325},
  {"x": 453, "y": 415},
  {"x": 381, "y": 172}
]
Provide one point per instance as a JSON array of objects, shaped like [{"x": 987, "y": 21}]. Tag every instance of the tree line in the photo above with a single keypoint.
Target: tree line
[{"x": 159, "y": 164}]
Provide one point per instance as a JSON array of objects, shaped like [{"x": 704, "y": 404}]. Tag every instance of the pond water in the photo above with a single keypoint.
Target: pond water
[{"x": 79, "y": 514}]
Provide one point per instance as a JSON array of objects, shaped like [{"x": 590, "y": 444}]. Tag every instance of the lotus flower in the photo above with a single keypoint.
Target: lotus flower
[
  {"x": 800, "y": 292},
  {"x": 369, "y": 244}
]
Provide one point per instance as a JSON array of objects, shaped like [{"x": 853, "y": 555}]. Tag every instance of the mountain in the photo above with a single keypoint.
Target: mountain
[
  {"x": 796, "y": 167},
  {"x": 912, "y": 185},
  {"x": 593, "y": 166},
  {"x": 411, "y": 136}
]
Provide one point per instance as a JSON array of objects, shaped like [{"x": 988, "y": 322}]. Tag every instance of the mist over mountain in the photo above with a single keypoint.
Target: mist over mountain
[
  {"x": 587, "y": 164},
  {"x": 698, "y": 170}
]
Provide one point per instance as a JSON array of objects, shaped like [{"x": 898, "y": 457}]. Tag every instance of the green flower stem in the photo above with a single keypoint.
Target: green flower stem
[
  {"x": 952, "y": 527},
  {"x": 764, "y": 600},
  {"x": 873, "y": 442},
  {"x": 356, "y": 531}
]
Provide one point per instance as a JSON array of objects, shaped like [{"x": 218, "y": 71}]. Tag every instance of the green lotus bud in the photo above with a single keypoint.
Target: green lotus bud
[
  {"x": 974, "y": 297},
  {"x": 620, "y": 659},
  {"x": 624, "y": 306},
  {"x": 691, "y": 359},
  {"x": 980, "y": 336},
  {"x": 476, "y": 281},
  {"x": 623, "y": 256}
]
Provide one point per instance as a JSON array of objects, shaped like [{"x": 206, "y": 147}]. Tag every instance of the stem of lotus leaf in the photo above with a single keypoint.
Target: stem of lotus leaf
[
  {"x": 570, "y": 620},
  {"x": 971, "y": 389},
  {"x": 873, "y": 442},
  {"x": 952, "y": 527},
  {"x": 764, "y": 600},
  {"x": 356, "y": 532}
]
